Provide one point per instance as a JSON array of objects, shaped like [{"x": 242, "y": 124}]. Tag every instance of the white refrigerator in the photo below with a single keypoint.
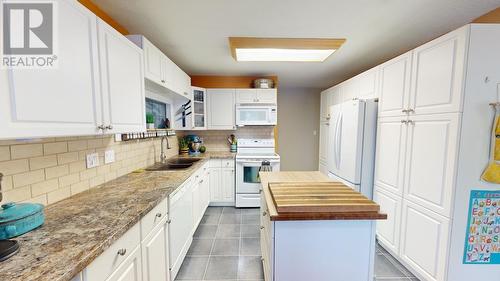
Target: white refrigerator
[{"x": 351, "y": 144}]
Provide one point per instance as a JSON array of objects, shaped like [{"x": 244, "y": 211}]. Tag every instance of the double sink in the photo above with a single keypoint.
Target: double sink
[{"x": 174, "y": 164}]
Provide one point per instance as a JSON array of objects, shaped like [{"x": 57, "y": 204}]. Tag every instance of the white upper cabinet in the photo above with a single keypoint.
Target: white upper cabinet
[
  {"x": 221, "y": 109},
  {"x": 61, "y": 101},
  {"x": 265, "y": 96},
  {"x": 394, "y": 87},
  {"x": 390, "y": 154},
  {"x": 162, "y": 71},
  {"x": 350, "y": 90},
  {"x": 324, "y": 108},
  {"x": 122, "y": 82},
  {"x": 154, "y": 63},
  {"x": 438, "y": 74},
  {"x": 367, "y": 84},
  {"x": 431, "y": 161}
]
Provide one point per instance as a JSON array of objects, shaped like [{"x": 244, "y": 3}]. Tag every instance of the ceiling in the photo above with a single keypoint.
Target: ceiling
[{"x": 194, "y": 33}]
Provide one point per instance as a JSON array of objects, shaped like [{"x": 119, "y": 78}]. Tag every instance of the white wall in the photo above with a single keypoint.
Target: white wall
[{"x": 298, "y": 128}]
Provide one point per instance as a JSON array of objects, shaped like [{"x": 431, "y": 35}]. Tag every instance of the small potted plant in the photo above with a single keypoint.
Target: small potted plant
[
  {"x": 183, "y": 146},
  {"x": 150, "y": 120}
]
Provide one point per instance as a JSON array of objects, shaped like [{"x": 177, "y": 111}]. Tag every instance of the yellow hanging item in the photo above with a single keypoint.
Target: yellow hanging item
[{"x": 492, "y": 172}]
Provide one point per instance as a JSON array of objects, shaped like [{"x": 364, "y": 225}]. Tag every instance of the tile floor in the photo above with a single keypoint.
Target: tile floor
[{"x": 226, "y": 246}]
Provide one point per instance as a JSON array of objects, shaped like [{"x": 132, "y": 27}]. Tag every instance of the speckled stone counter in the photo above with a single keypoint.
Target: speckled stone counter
[{"x": 78, "y": 229}]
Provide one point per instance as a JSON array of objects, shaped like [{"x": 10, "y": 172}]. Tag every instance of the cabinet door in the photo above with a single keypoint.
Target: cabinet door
[
  {"x": 390, "y": 154},
  {"x": 350, "y": 89},
  {"x": 215, "y": 185},
  {"x": 438, "y": 74},
  {"x": 324, "y": 107},
  {"x": 323, "y": 142},
  {"x": 205, "y": 191},
  {"x": 431, "y": 161},
  {"x": 62, "y": 101},
  {"x": 424, "y": 241},
  {"x": 395, "y": 86},
  {"x": 267, "y": 96},
  {"x": 167, "y": 72},
  {"x": 368, "y": 84},
  {"x": 154, "y": 255},
  {"x": 227, "y": 185},
  {"x": 221, "y": 109},
  {"x": 196, "y": 194},
  {"x": 154, "y": 63},
  {"x": 246, "y": 95},
  {"x": 122, "y": 81},
  {"x": 388, "y": 231},
  {"x": 130, "y": 269},
  {"x": 180, "y": 228}
]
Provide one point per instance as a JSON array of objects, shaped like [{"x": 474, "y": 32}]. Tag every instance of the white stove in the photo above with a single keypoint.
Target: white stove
[{"x": 249, "y": 161}]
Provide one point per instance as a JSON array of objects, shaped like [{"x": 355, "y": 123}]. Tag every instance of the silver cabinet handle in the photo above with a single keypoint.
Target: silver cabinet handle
[
  {"x": 163, "y": 81},
  {"x": 409, "y": 110},
  {"x": 101, "y": 127},
  {"x": 169, "y": 221},
  {"x": 159, "y": 215},
  {"x": 404, "y": 121},
  {"x": 405, "y": 110},
  {"x": 109, "y": 127},
  {"x": 122, "y": 252},
  {"x": 201, "y": 182},
  {"x": 411, "y": 122},
  {"x": 261, "y": 227},
  {"x": 264, "y": 213}
]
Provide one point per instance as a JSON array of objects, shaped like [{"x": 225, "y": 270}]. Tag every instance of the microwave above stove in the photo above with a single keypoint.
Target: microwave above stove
[{"x": 256, "y": 115}]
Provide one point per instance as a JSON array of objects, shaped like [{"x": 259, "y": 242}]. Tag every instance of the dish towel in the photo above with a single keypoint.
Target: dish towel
[{"x": 492, "y": 172}]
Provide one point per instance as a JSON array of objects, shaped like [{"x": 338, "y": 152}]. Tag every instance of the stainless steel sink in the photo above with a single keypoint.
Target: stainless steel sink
[
  {"x": 174, "y": 164},
  {"x": 177, "y": 161}
]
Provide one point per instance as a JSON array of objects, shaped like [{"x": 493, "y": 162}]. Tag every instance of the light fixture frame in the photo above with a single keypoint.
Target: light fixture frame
[{"x": 284, "y": 43}]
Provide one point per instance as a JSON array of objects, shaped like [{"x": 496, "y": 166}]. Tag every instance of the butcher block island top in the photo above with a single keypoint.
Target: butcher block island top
[{"x": 313, "y": 196}]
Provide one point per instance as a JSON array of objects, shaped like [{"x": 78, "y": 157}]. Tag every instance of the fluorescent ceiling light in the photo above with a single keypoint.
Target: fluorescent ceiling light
[
  {"x": 283, "y": 49},
  {"x": 270, "y": 54}
]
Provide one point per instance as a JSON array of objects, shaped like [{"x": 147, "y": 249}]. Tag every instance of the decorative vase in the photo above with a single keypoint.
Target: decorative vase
[
  {"x": 184, "y": 151},
  {"x": 233, "y": 148},
  {"x": 150, "y": 125}
]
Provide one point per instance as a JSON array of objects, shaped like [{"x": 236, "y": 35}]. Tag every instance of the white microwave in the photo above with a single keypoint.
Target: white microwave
[{"x": 256, "y": 115}]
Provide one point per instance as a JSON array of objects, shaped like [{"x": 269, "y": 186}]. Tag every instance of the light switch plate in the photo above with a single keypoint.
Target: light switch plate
[
  {"x": 92, "y": 160},
  {"x": 109, "y": 156}
]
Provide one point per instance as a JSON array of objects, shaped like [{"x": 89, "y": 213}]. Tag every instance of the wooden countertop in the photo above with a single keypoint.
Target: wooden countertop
[{"x": 308, "y": 177}]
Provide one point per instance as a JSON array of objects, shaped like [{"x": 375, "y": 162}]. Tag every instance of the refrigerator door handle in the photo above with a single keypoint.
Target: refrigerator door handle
[{"x": 338, "y": 136}]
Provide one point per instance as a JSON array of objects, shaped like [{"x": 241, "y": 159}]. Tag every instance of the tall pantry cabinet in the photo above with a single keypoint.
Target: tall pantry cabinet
[{"x": 427, "y": 98}]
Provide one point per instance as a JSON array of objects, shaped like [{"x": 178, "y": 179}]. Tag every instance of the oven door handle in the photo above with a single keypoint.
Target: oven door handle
[{"x": 260, "y": 162}]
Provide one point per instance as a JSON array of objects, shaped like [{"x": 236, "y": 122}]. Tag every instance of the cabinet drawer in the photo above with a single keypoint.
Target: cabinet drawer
[
  {"x": 108, "y": 262},
  {"x": 215, "y": 163},
  {"x": 227, "y": 163},
  {"x": 153, "y": 218}
]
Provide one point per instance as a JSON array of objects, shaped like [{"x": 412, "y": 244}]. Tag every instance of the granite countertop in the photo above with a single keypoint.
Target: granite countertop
[{"x": 78, "y": 229}]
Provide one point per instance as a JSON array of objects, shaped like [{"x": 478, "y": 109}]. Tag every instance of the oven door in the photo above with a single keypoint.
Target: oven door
[
  {"x": 247, "y": 175},
  {"x": 255, "y": 115}
]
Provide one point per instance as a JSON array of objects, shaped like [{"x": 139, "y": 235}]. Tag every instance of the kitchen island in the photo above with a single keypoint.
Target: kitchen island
[{"x": 315, "y": 229}]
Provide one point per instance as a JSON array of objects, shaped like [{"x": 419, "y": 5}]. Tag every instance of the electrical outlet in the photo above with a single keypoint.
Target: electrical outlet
[
  {"x": 109, "y": 156},
  {"x": 92, "y": 160}
]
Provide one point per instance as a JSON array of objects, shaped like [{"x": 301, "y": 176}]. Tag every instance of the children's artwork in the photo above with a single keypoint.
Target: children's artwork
[{"x": 482, "y": 240}]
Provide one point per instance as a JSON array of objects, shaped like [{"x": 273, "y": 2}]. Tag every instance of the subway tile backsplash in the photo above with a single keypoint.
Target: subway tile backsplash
[{"x": 49, "y": 170}]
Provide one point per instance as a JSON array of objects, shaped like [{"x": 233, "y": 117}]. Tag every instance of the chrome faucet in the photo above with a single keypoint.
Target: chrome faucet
[{"x": 163, "y": 156}]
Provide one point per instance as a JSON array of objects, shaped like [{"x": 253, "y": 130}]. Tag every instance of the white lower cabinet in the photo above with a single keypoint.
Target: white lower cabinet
[
  {"x": 388, "y": 231},
  {"x": 424, "y": 241},
  {"x": 130, "y": 269},
  {"x": 154, "y": 248},
  {"x": 155, "y": 254},
  {"x": 222, "y": 182},
  {"x": 181, "y": 225}
]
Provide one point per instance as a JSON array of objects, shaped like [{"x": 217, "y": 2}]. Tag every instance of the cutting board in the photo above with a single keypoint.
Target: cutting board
[{"x": 320, "y": 197}]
